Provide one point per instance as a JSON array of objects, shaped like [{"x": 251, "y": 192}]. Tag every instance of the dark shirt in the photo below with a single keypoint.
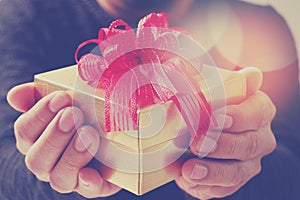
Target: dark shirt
[{"x": 38, "y": 36}]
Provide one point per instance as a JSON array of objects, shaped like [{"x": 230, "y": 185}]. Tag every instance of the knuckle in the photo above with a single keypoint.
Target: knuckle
[
  {"x": 235, "y": 179},
  {"x": 22, "y": 148},
  {"x": 200, "y": 194},
  {"x": 257, "y": 168},
  {"x": 221, "y": 172},
  {"x": 36, "y": 168},
  {"x": 238, "y": 112},
  {"x": 209, "y": 191},
  {"x": 40, "y": 118},
  {"x": 270, "y": 142},
  {"x": 270, "y": 107},
  {"x": 50, "y": 144},
  {"x": 268, "y": 111},
  {"x": 273, "y": 143},
  {"x": 241, "y": 175},
  {"x": 70, "y": 163},
  {"x": 252, "y": 145},
  {"x": 30, "y": 164},
  {"x": 218, "y": 192},
  {"x": 59, "y": 185},
  {"x": 272, "y": 110},
  {"x": 232, "y": 147},
  {"x": 43, "y": 177},
  {"x": 20, "y": 128}
]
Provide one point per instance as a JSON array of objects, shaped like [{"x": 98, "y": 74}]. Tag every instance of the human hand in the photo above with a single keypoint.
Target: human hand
[
  {"x": 56, "y": 143},
  {"x": 236, "y": 157}
]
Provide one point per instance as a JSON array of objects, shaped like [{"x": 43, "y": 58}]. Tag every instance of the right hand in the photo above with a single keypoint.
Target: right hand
[{"x": 56, "y": 144}]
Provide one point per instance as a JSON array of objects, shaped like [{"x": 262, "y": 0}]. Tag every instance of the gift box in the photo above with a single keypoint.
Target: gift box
[
  {"x": 149, "y": 92},
  {"x": 143, "y": 159}
]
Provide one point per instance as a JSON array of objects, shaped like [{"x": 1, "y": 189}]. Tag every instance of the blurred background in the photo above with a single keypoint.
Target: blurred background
[{"x": 290, "y": 10}]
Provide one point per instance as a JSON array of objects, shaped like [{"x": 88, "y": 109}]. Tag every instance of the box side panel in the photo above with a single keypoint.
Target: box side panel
[
  {"x": 159, "y": 124},
  {"x": 120, "y": 165},
  {"x": 155, "y": 179},
  {"x": 161, "y": 155},
  {"x": 117, "y": 156},
  {"x": 127, "y": 181},
  {"x": 161, "y": 163},
  {"x": 89, "y": 99}
]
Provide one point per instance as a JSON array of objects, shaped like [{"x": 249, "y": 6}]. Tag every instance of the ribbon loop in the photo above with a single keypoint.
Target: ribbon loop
[
  {"x": 135, "y": 72},
  {"x": 83, "y": 44}
]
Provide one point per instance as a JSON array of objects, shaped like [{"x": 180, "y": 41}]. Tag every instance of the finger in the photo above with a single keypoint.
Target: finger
[
  {"x": 257, "y": 110},
  {"x": 204, "y": 191},
  {"x": 92, "y": 185},
  {"x": 22, "y": 97},
  {"x": 254, "y": 79},
  {"x": 219, "y": 173},
  {"x": 189, "y": 188},
  {"x": 201, "y": 146},
  {"x": 45, "y": 152},
  {"x": 80, "y": 151},
  {"x": 244, "y": 146},
  {"x": 31, "y": 124}
]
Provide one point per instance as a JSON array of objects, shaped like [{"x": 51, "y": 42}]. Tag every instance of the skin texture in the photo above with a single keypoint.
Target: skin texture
[
  {"x": 53, "y": 125},
  {"x": 249, "y": 138},
  {"x": 245, "y": 140},
  {"x": 240, "y": 146}
]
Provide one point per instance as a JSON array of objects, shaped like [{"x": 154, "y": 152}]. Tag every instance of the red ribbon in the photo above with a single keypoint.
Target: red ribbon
[{"x": 142, "y": 76}]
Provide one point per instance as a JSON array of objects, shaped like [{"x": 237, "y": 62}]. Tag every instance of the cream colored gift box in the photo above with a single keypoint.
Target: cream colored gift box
[{"x": 144, "y": 159}]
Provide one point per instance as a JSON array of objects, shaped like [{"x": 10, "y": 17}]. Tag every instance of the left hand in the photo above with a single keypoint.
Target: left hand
[
  {"x": 246, "y": 138},
  {"x": 57, "y": 144}
]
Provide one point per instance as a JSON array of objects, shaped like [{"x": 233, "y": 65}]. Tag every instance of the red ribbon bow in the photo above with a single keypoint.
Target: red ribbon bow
[{"x": 137, "y": 70}]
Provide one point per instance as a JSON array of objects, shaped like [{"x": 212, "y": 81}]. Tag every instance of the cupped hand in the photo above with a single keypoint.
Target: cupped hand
[
  {"x": 56, "y": 143},
  {"x": 236, "y": 156}
]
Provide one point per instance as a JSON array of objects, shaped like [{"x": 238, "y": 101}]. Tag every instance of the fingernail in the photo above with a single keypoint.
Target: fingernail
[
  {"x": 82, "y": 181},
  {"x": 205, "y": 146},
  {"x": 199, "y": 171},
  {"x": 213, "y": 148},
  {"x": 68, "y": 120},
  {"x": 59, "y": 101},
  {"x": 228, "y": 120},
  {"x": 83, "y": 141},
  {"x": 199, "y": 144}
]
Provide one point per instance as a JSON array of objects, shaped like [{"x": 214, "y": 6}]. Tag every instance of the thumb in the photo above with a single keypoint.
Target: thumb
[
  {"x": 254, "y": 78},
  {"x": 22, "y": 97}
]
